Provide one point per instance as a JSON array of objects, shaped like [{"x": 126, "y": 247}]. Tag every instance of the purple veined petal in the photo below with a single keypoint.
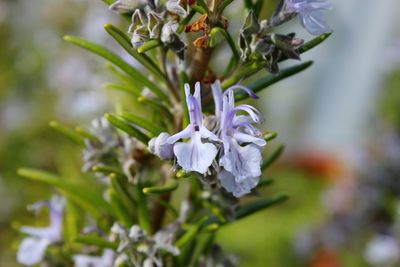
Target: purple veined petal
[
  {"x": 125, "y": 6},
  {"x": 207, "y": 134},
  {"x": 246, "y": 138},
  {"x": 31, "y": 250},
  {"x": 241, "y": 87},
  {"x": 194, "y": 105},
  {"x": 195, "y": 155},
  {"x": 238, "y": 189},
  {"x": 217, "y": 95},
  {"x": 185, "y": 133},
  {"x": 247, "y": 128},
  {"x": 252, "y": 111},
  {"x": 241, "y": 161},
  {"x": 314, "y": 23},
  {"x": 160, "y": 147},
  {"x": 174, "y": 6},
  {"x": 319, "y": 5}
]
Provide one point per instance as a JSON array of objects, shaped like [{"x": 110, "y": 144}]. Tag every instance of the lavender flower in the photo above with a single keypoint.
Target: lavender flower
[
  {"x": 240, "y": 163},
  {"x": 177, "y": 7},
  {"x": 126, "y": 6},
  {"x": 139, "y": 28},
  {"x": 310, "y": 14},
  {"x": 31, "y": 250},
  {"x": 194, "y": 155},
  {"x": 160, "y": 147}
]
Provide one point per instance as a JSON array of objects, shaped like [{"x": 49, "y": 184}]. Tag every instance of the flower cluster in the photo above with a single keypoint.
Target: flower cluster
[
  {"x": 232, "y": 149},
  {"x": 146, "y": 249},
  {"x": 153, "y": 21},
  {"x": 32, "y": 248}
]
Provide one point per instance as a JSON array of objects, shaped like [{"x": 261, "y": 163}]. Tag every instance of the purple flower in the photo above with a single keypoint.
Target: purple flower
[
  {"x": 310, "y": 14},
  {"x": 31, "y": 250},
  {"x": 241, "y": 155},
  {"x": 126, "y": 6},
  {"x": 160, "y": 147},
  {"x": 195, "y": 155}
]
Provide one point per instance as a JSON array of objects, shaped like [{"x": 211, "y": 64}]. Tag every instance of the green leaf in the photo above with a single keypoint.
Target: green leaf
[
  {"x": 124, "y": 88},
  {"x": 169, "y": 187},
  {"x": 270, "y": 79},
  {"x": 86, "y": 134},
  {"x": 145, "y": 124},
  {"x": 92, "y": 240},
  {"x": 272, "y": 157},
  {"x": 119, "y": 208},
  {"x": 118, "y": 61},
  {"x": 126, "y": 44},
  {"x": 70, "y": 134},
  {"x": 122, "y": 191},
  {"x": 185, "y": 21},
  {"x": 107, "y": 170},
  {"x": 235, "y": 53},
  {"x": 191, "y": 233},
  {"x": 126, "y": 127},
  {"x": 270, "y": 136},
  {"x": 251, "y": 208},
  {"x": 203, "y": 243},
  {"x": 149, "y": 45},
  {"x": 90, "y": 200},
  {"x": 265, "y": 182},
  {"x": 143, "y": 210}
]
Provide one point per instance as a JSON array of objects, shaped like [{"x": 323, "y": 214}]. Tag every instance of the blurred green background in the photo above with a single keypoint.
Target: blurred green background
[{"x": 347, "y": 102}]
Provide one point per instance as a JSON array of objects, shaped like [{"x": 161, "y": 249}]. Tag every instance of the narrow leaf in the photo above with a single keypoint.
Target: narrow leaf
[
  {"x": 145, "y": 124},
  {"x": 270, "y": 79},
  {"x": 191, "y": 233},
  {"x": 256, "y": 206},
  {"x": 124, "y": 88},
  {"x": 119, "y": 208},
  {"x": 126, "y": 127},
  {"x": 93, "y": 201},
  {"x": 149, "y": 45},
  {"x": 270, "y": 136},
  {"x": 272, "y": 157},
  {"x": 107, "y": 170},
  {"x": 118, "y": 61},
  {"x": 86, "y": 134},
  {"x": 169, "y": 187},
  {"x": 125, "y": 42},
  {"x": 70, "y": 134},
  {"x": 93, "y": 240}
]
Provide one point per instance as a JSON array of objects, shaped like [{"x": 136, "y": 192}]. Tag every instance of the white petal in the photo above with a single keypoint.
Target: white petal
[
  {"x": 185, "y": 133},
  {"x": 31, "y": 250},
  {"x": 195, "y": 155},
  {"x": 238, "y": 189},
  {"x": 246, "y": 138},
  {"x": 241, "y": 161}
]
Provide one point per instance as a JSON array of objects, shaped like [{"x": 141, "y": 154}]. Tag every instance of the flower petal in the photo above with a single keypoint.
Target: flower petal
[
  {"x": 31, "y": 250},
  {"x": 195, "y": 155},
  {"x": 314, "y": 23},
  {"x": 238, "y": 189},
  {"x": 246, "y": 138},
  {"x": 241, "y": 161},
  {"x": 160, "y": 147},
  {"x": 185, "y": 133}
]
